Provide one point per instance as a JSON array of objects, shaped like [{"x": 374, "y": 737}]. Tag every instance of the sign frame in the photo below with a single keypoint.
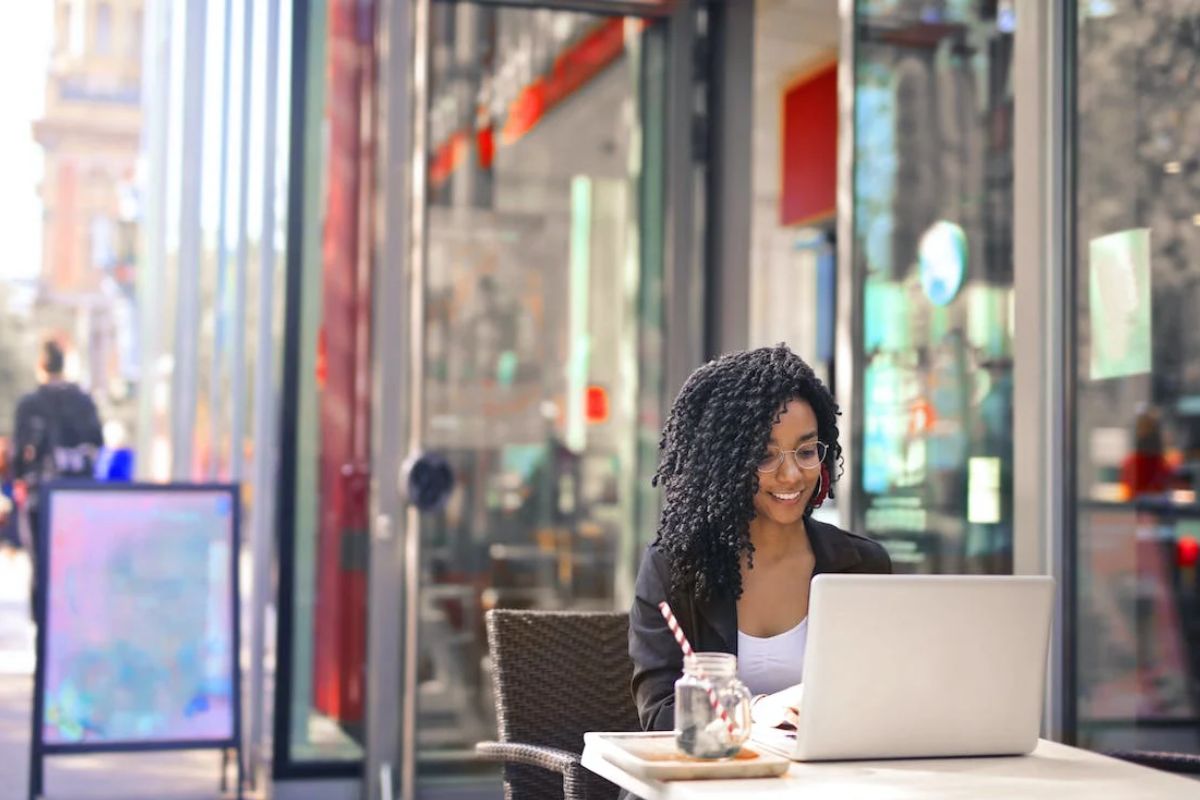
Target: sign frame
[{"x": 39, "y": 749}]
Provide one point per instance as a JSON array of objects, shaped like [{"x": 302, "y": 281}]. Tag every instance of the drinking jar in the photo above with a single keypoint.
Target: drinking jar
[{"x": 699, "y": 729}]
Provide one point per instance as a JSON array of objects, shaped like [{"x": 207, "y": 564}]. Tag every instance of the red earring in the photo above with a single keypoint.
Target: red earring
[{"x": 822, "y": 488}]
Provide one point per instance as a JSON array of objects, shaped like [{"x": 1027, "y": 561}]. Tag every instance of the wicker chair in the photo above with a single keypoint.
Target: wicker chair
[
  {"x": 557, "y": 675},
  {"x": 1180, "y": 763}
]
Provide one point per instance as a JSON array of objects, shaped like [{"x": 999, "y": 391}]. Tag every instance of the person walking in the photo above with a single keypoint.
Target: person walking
[{"x": 56, "y": 434}]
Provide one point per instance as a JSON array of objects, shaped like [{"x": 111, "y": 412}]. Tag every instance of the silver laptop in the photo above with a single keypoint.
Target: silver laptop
[{"x": 913, "y": 666}]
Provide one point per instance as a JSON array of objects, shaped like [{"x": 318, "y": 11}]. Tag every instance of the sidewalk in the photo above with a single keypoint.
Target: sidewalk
[{"x": 161, "y": 776}]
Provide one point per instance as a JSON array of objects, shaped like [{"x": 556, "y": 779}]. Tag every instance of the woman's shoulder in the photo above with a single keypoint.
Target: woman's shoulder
[
  {"x": 654, "y": 568},
  {"x": 653, "y": 555},
  {"x": 875, "y": 556},
  {"x": 872, "y": 556}
]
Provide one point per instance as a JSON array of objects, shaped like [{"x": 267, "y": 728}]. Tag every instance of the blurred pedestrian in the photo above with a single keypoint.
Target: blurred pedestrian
[
  {"x": 1147, "y": 470},
  {"x": 57, "y": 434},
  {"x": 10, "y": 537}
]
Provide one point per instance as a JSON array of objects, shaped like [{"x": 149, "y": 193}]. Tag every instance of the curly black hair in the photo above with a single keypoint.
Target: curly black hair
[{"x": 717, "y": 431}]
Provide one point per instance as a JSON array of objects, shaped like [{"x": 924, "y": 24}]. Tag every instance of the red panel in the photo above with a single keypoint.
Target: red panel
[
  {"x": 572, "y": 69},
  {"x": 596, "y": 405},
  {"x": 343, "y": 371},
  {"x": 809, "y": 148},
  {"x": 1187, "y": 551},
  {"x": 447, "y": 158},
  {"x": 526, "y": 111},
  {"x": 485, "y": 144}
]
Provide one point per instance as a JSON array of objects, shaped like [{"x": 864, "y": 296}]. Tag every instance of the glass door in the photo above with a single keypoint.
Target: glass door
[
  {"x": 1134, "y": 529},
  {"x": 540, "y": 347},
  {"x": 933, "y": 200}
]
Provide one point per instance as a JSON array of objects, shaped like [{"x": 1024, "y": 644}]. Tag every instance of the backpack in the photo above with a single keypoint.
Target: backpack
[{"x": 61, "y": 428}]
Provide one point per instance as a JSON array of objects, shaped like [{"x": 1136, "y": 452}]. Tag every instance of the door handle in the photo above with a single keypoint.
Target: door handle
[{"x": 428, "y": 481}]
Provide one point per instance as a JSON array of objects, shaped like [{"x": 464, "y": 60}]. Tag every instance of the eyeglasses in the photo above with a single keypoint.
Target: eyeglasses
[{"x": 808, "y": 456}]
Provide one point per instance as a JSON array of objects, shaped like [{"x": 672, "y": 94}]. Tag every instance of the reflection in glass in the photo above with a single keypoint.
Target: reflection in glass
[
  {"x": 1137, "y": 376},
  {"x": 537, "y": 316},
  {"x": 933, "y": 219}
]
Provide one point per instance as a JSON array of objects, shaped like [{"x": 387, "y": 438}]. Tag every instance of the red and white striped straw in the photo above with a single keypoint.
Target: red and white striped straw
[{"x": 686, "y": 647}]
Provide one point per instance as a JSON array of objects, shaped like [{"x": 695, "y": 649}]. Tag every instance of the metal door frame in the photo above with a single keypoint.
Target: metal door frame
[{"x": 1043, "y": 424}]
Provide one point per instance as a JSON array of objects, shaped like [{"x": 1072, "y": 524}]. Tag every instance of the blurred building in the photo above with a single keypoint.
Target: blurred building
[{"x": 91, "y": 133}]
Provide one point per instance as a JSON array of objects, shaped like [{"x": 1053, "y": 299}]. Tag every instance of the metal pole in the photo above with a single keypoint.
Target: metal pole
[
  {"x": 221, "y": 306},
  {"x": 237, "y": 424},
  {"x": 265, "y": 438},
  {"x": 156, "y": 72},
  {"x": 385, "y": 582},
  {"x": 848, "y": 317},
  {"x": 1059, "y": 410},
  {"x": 1040, "y": 374},
  {"x": 683, "y": 278},
  {"x": 237, "y": 433},
  {"x": 730, "y": 200},
  {"x": 416, "y": 386},
  {"x": 183, "y": 401}
]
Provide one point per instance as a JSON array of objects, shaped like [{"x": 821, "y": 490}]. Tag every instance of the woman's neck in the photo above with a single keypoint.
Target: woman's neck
[{"x": 773, "y": 541}]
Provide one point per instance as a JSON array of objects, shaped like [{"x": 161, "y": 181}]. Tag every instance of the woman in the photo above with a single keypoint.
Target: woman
[{"x": 749, "y": 450}]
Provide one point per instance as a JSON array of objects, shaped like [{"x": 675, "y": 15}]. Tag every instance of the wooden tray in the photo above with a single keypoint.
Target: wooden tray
[{"x": 654, "y": 756}]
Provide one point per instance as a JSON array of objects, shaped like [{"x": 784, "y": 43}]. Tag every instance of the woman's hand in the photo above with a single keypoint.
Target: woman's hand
[{"x": 780, "y": 708}]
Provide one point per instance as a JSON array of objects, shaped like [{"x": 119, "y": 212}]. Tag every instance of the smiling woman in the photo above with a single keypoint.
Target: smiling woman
[{"x": 749, "y": 450}]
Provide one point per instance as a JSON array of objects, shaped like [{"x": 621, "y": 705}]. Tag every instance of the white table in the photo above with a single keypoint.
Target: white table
[{"x": 1053, "y": 771}]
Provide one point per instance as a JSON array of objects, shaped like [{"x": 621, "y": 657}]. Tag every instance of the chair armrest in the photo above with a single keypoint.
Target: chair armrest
[
  {"x": 578, "y": 782},
  {"x": 551, "y": 758}
]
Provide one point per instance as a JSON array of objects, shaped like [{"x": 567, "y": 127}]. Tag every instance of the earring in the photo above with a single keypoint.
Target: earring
[
  {"x": 819, "y": 494},
  {"x": 817, "y": 499}
]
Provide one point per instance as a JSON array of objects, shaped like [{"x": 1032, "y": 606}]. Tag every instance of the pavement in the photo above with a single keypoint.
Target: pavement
[{"x": 161, "y": 776}]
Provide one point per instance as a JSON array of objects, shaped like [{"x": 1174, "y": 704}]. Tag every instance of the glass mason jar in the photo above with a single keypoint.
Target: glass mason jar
[{"x": 699, "y": 730}]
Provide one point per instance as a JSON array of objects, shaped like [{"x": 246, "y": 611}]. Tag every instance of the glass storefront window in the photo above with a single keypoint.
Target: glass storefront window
[
  {"x": 327, "y": 476},
  {"x": 933, "y": 182},
  {"x": 1137, "y": 374},
  {"x": 542, "y": 314}
]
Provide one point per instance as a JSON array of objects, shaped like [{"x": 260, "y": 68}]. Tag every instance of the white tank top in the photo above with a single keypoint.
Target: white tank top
[{"x": 767, "y": 665}]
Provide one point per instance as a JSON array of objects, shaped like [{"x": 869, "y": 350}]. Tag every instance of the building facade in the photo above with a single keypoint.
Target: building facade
[{"x": 90, "y": 134}]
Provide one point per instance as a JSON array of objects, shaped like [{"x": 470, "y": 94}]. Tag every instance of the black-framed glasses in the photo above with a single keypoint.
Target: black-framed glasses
[{"x": 808, "y": 456}]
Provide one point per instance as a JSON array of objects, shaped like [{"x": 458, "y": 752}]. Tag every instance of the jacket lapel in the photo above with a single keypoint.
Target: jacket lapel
[
  {"x": 720, "y": 614},
  {"x": 832, "y": 549}
]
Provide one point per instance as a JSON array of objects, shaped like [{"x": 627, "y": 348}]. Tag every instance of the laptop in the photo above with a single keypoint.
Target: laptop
[{"x": 919, "y": 666}]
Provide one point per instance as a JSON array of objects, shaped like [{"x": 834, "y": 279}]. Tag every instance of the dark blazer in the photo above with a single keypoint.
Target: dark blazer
[{"x": 711, "y": 625}]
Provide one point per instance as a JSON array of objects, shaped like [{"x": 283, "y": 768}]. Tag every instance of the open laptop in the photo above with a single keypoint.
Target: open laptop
[{"x": 909, "y": 666}]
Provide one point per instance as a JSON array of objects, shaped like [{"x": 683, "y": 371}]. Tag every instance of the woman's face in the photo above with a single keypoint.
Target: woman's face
[{"x": 784, "y": 493}]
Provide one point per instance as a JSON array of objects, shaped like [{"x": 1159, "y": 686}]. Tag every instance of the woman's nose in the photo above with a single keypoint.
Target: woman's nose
[{"x": 790, "y": 468}]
